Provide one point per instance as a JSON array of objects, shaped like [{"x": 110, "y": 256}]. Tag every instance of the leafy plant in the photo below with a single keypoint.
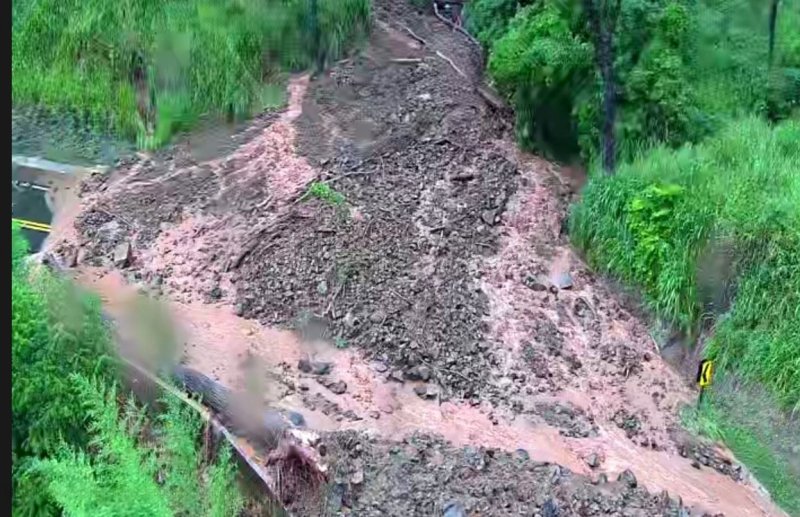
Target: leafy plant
[
  {"x": 119, "y": 476},
  {"x": 324, "y": 192}
]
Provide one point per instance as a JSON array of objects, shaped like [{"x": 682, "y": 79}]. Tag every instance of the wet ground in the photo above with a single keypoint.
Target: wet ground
[{"x": 432, "y": 321}]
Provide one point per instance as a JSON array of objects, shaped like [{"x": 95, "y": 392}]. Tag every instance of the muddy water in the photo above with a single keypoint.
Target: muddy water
[
  {"x": 223, "y": 345},
  {"x": 242, "y": 354}
]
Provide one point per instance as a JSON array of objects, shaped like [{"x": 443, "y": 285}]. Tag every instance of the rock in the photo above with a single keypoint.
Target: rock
[
  {"x": 215, "y": 293},
  {"x": 418, "y": 373},
  {"x": 374, "y": 414},
  {"x": 489, "y": 217},
  {"x": 602, "y": 479},
  {"x": 322, "y": 288},
  {"x": 563, "y": 281},
  {"x": 696, "y": 464},
  {"x": 550, "y": 509},
  {"x": 380, "y": 367},
  {"x": 71, "y": 257},
  {"x": 397, "y": 376},
  {"x": 377, "y": 317},
  {"x": 357, "y": 477},
  {"x": 122, "y": 255},
  {"x": 522, "y": 455},
  {"x": 337, "y": 387},
  {"x": 454, "y": 509},
  {"x": 239, "y": 309},
  {"x": 627, "y": 477},
  {"x": 593, "y": 460},
  {"x": 535, "y": 284},
  {"x": 647, "y": 356},
  {"x": 314, "y": 367},
  {"x": 427, "y": 391}
]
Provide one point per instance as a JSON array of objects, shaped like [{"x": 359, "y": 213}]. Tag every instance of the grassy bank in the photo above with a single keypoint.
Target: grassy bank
[
  {"x": 149, "y": 69},
  {"x": 711, "y": 236}
]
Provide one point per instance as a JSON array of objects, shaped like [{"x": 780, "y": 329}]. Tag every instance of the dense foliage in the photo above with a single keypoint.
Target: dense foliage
[
  {"x": 54, "y": 333},
  {"x": 125, "y": 475},
  {"x": 684, "y": 69},
  {"x": 71, "y": 449},
  {"x": 152, "y": 68},
  {"x": 712, "y": 230}
]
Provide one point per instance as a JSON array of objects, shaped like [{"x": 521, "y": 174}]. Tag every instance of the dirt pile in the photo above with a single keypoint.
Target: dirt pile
[
  {"x": 425, "y": 476},
  {"x": 386, "y": 211}
]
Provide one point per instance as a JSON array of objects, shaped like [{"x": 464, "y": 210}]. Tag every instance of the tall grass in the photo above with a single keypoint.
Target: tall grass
[
  {"x": 149, "y": 69},
  {"x": 711, "y": 233}
]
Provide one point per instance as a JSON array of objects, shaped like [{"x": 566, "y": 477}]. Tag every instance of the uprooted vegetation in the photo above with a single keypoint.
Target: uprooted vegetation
[{"x": 150, "y": 69}]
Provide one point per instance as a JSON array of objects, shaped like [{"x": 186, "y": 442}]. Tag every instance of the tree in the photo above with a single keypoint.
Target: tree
[
  {"x": 602, "y": 16},
  {"x": 773, "y": 18}
]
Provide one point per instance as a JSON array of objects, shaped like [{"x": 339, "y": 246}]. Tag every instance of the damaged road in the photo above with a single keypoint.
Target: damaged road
[{"x": 388, "y": 265}]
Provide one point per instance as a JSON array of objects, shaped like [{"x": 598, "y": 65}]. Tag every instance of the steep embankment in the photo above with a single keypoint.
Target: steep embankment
[{"x": 427, "y": 278}]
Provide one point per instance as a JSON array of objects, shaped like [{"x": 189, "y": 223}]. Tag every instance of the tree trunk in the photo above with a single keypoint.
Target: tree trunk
[
  {"x": 602, "y": 28},
  {"x": 773, "y": 18}
]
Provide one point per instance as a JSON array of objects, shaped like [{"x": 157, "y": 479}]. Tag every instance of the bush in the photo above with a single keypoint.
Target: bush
[
  {"x": 683, "y": 70},
  {"x": 119, "y": 476},
  {"x": 54, "y": 332},
  {"x": 732, "y": 202},
  {"x": 151, "y": 69}
]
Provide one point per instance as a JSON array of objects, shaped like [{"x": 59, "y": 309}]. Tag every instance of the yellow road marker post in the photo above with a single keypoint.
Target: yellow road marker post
[{"x": 705, "y": 375}]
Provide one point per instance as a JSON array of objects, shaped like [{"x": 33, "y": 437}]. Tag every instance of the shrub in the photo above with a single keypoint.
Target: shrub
[
  {"x": 119, "y": 476},
  {"x": 657, "y": 221}
]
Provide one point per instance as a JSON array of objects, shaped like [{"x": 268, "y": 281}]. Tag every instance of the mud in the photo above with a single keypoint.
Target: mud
[{"x": 439, "y": 287}]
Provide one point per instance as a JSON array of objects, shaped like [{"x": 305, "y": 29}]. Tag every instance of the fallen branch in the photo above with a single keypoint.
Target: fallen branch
[
  {"x": 414, "y": 35},
  {"x": 457, "y": 28},
  {"x": 406, "y": 60},
  {"x": 450, "y": 61}
]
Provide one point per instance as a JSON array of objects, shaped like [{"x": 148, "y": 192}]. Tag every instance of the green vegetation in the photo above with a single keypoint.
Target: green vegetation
[
  {"x": 79, "y": 448},
  {"x": 763, "y": 437},
  {"x": 699, "y": 103},
  {"x": 712, "y": 230},
  {"x": 683, "y": 69},
  {"x": 150, "y": 69},
  {"x": 324, "y": 192}
]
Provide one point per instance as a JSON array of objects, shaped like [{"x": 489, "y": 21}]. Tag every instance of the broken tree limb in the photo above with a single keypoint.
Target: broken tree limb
[
  {"x": 414, "y": 35},
  {"x": 450, "y": 61},
  {"x": 406, "y": 60}
]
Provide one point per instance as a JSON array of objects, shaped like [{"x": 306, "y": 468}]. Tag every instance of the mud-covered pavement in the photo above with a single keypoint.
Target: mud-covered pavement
[{"x": 433, "y": 322}]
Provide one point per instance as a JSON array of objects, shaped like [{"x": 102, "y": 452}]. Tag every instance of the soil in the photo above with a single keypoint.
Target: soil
[{"x": 438, "y": 284}]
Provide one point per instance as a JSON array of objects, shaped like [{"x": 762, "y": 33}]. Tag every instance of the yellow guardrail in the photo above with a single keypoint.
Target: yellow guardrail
[{"x": 32, "y": 225}]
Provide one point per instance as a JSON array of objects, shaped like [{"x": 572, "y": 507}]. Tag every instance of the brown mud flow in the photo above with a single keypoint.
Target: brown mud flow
[{"x": 441, "y": 321}]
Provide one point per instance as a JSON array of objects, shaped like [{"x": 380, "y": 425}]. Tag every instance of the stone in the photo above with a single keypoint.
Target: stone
[
  {"x": 122, "y": 255},
  {"x": 563, "y": 281},
  {"x": 337, "y": 387},
  {"x": 427, "y": 391},
  {"x": 593, "y": 460},
  {"x": 489, "y": 217},
  {"x": 314, "y": 367},
  {"x": 322, "y": 288},
  {"x": 397, "y": 376},
  {"x": 418, "y": 373},
  {"x": 454, "y": 509},
  {"x": 535, "y": 284},
  {"x": 357, "y": 477},
  {"x": 627, "y": 477}
]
